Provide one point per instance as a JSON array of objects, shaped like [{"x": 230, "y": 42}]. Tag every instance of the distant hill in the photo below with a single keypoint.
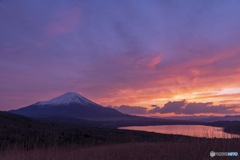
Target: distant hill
[{"x": 10, "y": 120}]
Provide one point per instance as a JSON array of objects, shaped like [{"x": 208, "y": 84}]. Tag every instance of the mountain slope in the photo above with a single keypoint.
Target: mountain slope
[{"x": 68, "y": 105}]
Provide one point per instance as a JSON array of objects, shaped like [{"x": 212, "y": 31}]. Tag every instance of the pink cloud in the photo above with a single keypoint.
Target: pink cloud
[
  {"x": 64, "y": 22},
  {"x": 149, "y": 62}
]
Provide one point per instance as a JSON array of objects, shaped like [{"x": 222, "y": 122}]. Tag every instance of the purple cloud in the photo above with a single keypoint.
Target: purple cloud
[
  {"x": 169, "y": 107},
  {"x": 183, "y": 107}
]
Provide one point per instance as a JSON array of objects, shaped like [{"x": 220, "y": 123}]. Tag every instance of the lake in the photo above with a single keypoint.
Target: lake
[{"x": 188, "y": 130}]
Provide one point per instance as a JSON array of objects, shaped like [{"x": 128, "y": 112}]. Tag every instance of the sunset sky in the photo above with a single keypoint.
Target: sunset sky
[{"x": 158, "y": 57}]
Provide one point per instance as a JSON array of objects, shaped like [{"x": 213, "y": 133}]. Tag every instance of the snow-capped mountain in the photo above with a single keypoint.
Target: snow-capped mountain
[
  {"x": 68, "y": 105},
  {"x": 66, "y": 99}
]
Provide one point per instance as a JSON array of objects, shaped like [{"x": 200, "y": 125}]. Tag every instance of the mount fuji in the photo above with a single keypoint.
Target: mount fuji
[
  {"x": 70, "y": 105},
  {"x": 73, "y": 108}
]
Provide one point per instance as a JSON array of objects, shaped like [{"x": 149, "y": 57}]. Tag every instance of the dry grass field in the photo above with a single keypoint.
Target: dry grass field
[{"x": 181, "y": 150}]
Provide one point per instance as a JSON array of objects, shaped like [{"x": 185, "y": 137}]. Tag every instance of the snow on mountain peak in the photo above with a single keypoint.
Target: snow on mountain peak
[{"x": 67, "y": 98}]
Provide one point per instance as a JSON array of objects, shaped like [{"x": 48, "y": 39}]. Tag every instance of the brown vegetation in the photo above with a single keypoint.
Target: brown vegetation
[{"x": 192, "y": 150}]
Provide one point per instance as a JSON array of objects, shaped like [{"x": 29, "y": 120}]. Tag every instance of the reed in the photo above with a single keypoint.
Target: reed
[{"x": 194, "y": 149}]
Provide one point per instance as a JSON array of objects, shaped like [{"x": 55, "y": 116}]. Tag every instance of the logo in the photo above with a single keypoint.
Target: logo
[{"x": 212, "y": 153}]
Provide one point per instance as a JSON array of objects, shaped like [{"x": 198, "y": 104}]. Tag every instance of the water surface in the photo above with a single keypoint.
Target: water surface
[{"x": 188, "y": 130}]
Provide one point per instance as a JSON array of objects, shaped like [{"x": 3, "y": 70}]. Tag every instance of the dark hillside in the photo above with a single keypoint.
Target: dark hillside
[{"x": 31, "y": 133}]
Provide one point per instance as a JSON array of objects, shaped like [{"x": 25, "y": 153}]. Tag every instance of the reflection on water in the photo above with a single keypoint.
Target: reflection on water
[{"x": 189, "y": 130}]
